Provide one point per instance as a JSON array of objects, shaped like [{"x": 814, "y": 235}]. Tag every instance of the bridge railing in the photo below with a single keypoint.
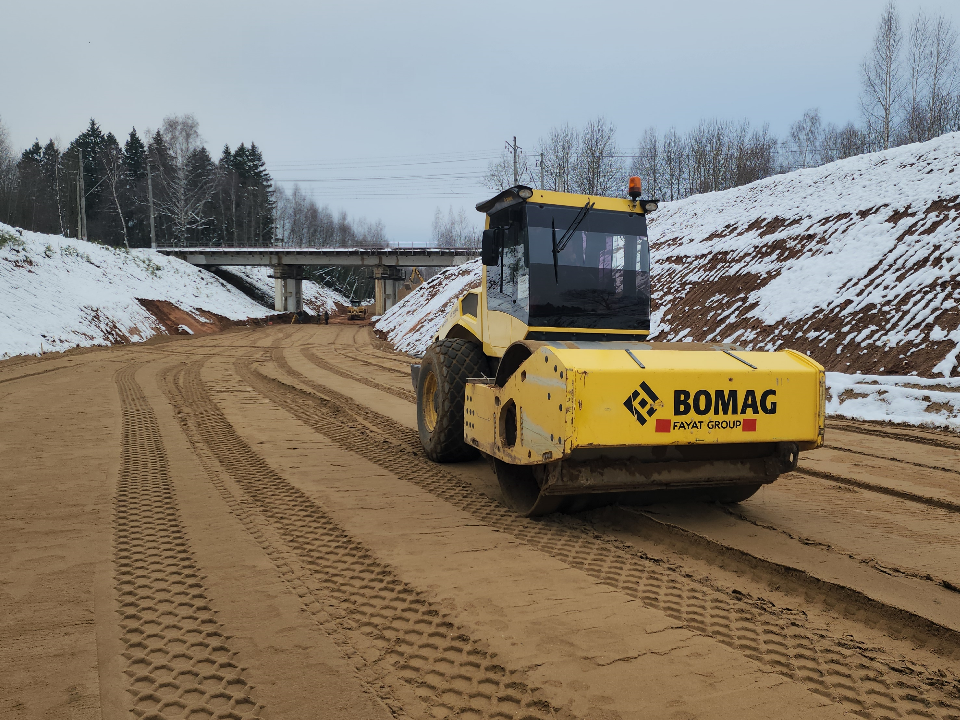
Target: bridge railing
[{"x": 288, "y": 247}]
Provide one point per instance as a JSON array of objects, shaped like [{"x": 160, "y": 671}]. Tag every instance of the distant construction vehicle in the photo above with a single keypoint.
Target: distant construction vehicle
[
  {"x": 546, "y": 371},
  {"x": 356, "y": 312}
]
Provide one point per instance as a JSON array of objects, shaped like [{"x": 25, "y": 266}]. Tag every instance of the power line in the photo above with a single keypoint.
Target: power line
[
  {"x": 385, "y": 161},
  {"x": 368, "y": 178}
]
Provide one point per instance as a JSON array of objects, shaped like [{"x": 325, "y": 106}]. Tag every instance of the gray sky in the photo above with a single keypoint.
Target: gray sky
[{"x": 367, "y": 88}]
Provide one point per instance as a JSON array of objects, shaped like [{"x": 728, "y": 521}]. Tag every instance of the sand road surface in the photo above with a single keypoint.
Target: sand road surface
[{"x": 243, "y": 525}]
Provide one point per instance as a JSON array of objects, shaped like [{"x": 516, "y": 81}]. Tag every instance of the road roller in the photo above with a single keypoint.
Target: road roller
[{"x": 547, "y": 370}]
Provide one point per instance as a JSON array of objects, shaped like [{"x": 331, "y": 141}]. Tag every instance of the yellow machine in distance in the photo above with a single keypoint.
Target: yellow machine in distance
[{"x": 546, "y": 370}]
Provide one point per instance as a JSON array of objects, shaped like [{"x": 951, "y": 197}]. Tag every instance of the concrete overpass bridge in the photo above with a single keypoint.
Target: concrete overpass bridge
[{"x": 287, "y": 264}]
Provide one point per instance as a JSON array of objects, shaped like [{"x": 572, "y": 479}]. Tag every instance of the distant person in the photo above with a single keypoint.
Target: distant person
[{"x": 326, "y": 317}]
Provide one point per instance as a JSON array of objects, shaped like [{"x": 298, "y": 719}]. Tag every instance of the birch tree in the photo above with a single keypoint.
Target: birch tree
[
  {"x": 8, "y": 171},
  {"x": 187, "y": 184},
  {"x": 599, "y": 167},
  {"x": 558, "y": 152},
  {"x": 114, "y": 169},
  {"x": 943, "y": 72},
  {"x": 647, "y": 164},
  {"x": 882, "y": 79}
]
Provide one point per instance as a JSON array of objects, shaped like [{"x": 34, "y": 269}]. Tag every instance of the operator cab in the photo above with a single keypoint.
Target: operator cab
[{"x": 568, "y": 266}]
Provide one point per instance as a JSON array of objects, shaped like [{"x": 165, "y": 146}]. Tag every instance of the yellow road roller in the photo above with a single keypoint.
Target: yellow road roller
[{"x": 546, "y": 371}]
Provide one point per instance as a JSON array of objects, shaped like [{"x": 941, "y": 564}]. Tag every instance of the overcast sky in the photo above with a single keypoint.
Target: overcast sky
[{"x": 371, "y": 89}]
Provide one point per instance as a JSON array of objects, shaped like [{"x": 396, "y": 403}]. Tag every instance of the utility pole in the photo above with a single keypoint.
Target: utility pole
[
  {"x": 83, "y": 202},
  {"x": 516, "y": 171},
  {"x": 541, "y": 170},
  {"x": 153, "y": 234},
  {"x": 79, "y": 216},
  {"x": 56, "y": 176}
]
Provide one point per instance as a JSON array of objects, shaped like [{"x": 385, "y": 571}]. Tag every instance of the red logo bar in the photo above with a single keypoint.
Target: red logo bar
[
  {"x": 664, "y": 425},
  {"x": 749, "y": 424}
]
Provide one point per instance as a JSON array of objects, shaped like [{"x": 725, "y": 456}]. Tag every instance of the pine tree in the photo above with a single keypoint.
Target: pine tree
[
  {"x": 160, "y": 162},
  {"x": 135, "y": 156},
  {"x": 227, "y": 197},
  {"x": 51, "y": 170},
  {"x": 133, "y": 196},
  {"x": 91, "y": 142},
  {"x": 30, "y": 196}
]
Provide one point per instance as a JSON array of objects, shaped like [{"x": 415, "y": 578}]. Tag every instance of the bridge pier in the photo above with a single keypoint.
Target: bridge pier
[
  {"x": 387, "y": 281},
  {"x": 288, "y": 288}
]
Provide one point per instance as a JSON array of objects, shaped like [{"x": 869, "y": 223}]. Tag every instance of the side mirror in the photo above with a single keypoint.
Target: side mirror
[{"x": 490, "y": 246}]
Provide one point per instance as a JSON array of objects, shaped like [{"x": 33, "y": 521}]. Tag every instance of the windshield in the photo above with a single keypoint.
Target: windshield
[{"x": 602, "y": 277}]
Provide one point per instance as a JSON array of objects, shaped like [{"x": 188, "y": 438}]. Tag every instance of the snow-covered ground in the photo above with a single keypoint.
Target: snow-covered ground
[
  {"x": 856, "y": 263},
  {"x": 411, "y": 324},
  {"x": 902, "y": 399},
  {"x": 57, "y": 293}
]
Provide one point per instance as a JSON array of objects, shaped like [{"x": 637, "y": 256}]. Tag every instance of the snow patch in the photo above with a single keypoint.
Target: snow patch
[{"x": 413, "y": 322}]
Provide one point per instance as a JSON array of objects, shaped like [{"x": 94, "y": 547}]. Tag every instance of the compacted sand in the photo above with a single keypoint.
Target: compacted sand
[{"x": 242, "y": 525}]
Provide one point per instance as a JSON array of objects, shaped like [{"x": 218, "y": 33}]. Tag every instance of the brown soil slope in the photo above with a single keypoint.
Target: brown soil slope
[{"x": 855, "y": 262}]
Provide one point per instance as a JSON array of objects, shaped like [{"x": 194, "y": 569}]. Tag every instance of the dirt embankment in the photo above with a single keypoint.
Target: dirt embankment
[{"x": 882, "y": 320}]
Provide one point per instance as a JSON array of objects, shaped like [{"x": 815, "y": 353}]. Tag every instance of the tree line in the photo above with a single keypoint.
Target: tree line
[
  {"x": 101, "y": 189},
  {"x": 910, "y": 92},
  {"x": 300, "y": 221},
  {"x": 196, "y": 201}
]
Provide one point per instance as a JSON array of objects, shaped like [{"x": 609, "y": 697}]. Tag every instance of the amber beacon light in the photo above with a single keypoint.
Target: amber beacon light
[{"x": 634, "y": 188}]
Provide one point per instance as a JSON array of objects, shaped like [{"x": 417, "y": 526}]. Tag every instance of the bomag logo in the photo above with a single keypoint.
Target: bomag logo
[
  {"x": 644, "y": 403},
  {"x": 642, "y": 407},
  {"x": 722, "y": 402}
]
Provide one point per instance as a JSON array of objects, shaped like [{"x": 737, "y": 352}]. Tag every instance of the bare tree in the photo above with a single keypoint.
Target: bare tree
[
  {"x": 805, "y": 140},
  {"x": 839, "y": 143},
  {"x": 599, "y": 167},
  {"x": 882, "y": 79},
  {"x": 281, "y": 210},
  {"x": 915, "y": 119},
  {"x": 115, "y": 173},
  {"x": 647, "y": 163},
  {"x": 755, "y": 156},
  {"x": 298, "y": 219},
  {"x": 674, "y": 164},
  {"x": 559, "y": 157},
  {"x": 943, "y": 71},
  {"x": 187, "y": 179},
  {"x": 456, "y": 231},
  {"x": 8, "y": 171},
  {"x": 499, "y": 174}
]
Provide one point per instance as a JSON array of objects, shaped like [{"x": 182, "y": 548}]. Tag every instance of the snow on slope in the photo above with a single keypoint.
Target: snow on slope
[
  {"x": 316, "y": 298},
  {"x": 856, "y": 263},
  {"x": 411, "y": 324},
  {"x": 62, "y": 293}
]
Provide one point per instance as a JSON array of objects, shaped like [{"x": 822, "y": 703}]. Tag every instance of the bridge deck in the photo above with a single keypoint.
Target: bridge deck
[{"x": 396, "y": 257}]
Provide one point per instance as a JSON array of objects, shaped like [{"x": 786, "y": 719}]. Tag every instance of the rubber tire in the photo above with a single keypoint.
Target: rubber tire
[{"x": 453, "y": 361}]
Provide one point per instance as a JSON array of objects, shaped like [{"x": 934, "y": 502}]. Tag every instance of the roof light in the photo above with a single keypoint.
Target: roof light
[
  {"x": 650, "y": 206},
  {"x": 633, "y": 188},
  {"x": 525, "y": 192}
]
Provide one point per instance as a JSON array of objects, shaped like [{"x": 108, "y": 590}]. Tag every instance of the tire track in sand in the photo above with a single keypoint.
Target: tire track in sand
[
  {"x": 419, "y": 660},
  {"x": 902, "y": 433},
  {"x": 176, "y": 655},
  {"x": 882, "y": 489},
  {"x": 867, "y": 680},
  {"x": 315, "y": 359}
]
